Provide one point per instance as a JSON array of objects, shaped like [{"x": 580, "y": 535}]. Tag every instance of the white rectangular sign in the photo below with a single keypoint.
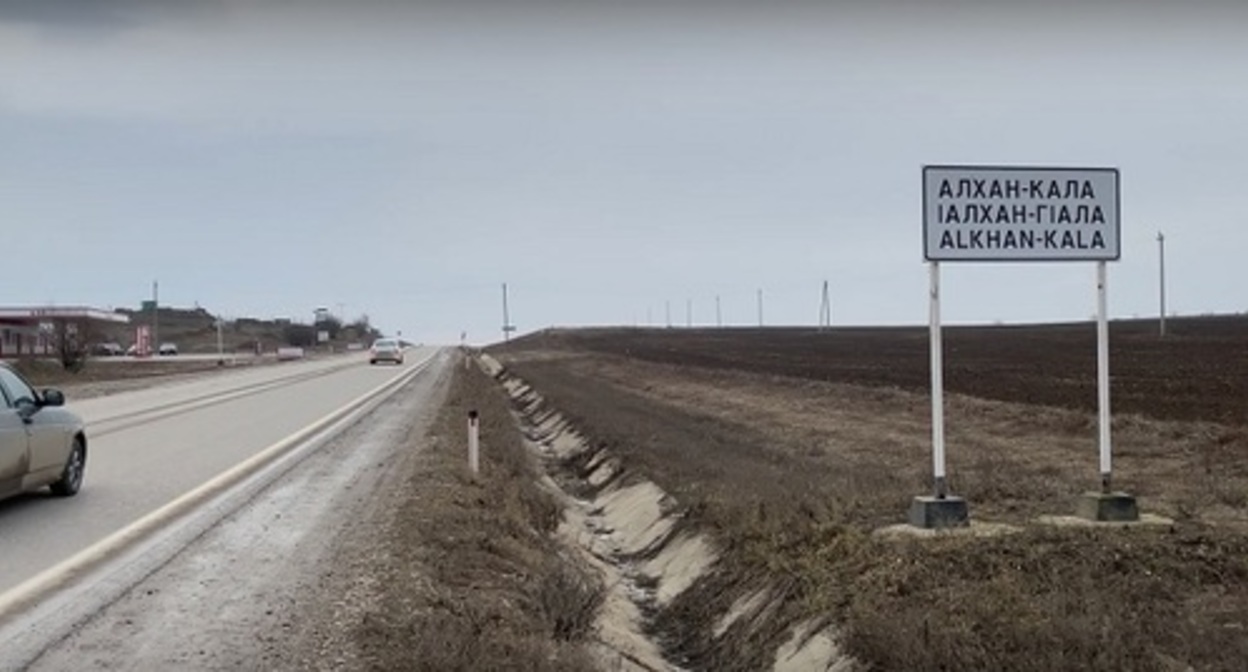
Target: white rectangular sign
[{"x": 1016, "y": 213}]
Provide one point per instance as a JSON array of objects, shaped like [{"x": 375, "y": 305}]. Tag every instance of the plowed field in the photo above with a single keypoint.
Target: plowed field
[{"x": 1199, "y": 371}]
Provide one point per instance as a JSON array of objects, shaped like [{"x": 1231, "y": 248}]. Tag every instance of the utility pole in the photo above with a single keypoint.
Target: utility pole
[
  {"x": 156, "y": 315},
  {"x": 220, "y": 344},
  {"x": 719, "y": 315},
  {"x": 688, "y": 312},
  {"x": 760, "y": 307},
  {"x": 1161, "y": 253},
  {"x": 507, "y": 325},
  {"x": 667, "y": 305},
  {"x": 649, "y": 321},
  {"x": 825, "y": 309}
]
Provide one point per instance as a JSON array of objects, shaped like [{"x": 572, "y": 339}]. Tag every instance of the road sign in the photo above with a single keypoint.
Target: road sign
[
  {"x": 143, "y": 340},
  {"x": 1017, "y": 213}
]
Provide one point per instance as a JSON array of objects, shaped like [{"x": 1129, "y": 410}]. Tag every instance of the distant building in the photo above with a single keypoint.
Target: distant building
[{"x": 28, "y": 331}]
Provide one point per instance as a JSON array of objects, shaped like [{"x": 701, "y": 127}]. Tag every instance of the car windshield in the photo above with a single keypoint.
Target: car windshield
[{"x": 385, "y": 345}]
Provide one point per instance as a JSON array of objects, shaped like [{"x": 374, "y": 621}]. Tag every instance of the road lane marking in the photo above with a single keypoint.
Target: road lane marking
[{"x": 194, "y": 403}]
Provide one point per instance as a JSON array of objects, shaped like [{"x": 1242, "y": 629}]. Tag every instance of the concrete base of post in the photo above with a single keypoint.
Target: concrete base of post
[
  {"x": 1108, "y": 507},
  {"x": 930, "y": 512}
]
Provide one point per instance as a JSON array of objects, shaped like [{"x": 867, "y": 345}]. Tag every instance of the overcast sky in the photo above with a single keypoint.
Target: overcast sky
[{"x": 602, "y": 158}]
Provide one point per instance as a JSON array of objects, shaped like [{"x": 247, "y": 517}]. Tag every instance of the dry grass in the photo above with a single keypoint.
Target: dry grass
[
  {"x": 1055, "y": 599},
  {"x": 792, "y": 476},
  {"x": 477, "y": 583},
  {"x": 98, "y": 379}
]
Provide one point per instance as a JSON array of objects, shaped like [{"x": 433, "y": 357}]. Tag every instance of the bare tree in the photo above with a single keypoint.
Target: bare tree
[
  {"x": 299, "y": 335},
  {"x": 71, "y": 341},
  {"x": 330, "y": 324},
  {"x": 362, "y": 328}
]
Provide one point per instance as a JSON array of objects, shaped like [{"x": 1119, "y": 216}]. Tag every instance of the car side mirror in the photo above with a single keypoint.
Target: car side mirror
[{"x": 53, "y": 397}]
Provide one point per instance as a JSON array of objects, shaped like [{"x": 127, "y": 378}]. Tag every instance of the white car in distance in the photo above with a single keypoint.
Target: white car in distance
[{"x": 386, "y": 350}]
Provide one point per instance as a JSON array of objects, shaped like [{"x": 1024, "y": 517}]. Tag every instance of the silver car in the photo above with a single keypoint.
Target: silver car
[
  {"x": 386, "y": 350},
  {"x": 41, "y": 442}
]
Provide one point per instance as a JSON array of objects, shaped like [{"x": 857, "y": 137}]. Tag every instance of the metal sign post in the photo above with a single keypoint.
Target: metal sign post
[
  {"x": 938, "y": 386},
  {"x": 1102, "y": 375}
]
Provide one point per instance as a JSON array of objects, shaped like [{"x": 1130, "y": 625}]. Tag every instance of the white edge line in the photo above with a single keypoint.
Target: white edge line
[
  {"x": 120, "y": 423},
  {"x": 24, "y": 594},
  {"x": 196, "y": 402}
]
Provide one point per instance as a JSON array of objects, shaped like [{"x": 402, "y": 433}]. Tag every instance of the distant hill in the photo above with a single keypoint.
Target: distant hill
[{"x": 194, "y": 330}]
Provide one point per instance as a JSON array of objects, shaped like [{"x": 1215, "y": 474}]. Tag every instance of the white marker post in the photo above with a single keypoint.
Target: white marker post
[
  {"x": 474, "y": 443},
  {"x": 938, "y": 386}
]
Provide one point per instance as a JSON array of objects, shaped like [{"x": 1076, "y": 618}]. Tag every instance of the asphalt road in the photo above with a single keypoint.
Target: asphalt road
[
  {"x": 267, "y": 581},
  {"x": 229, "y": 355},
  {"x": 147, "y": 448}
]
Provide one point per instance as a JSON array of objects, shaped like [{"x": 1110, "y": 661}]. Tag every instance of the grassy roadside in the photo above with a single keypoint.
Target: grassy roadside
[
  {"x": 42, "y": 373},
  {"x": 1042, "y": 599},
  {"x": 475, "y": 581},
  {"x": 796, "y": 523}
]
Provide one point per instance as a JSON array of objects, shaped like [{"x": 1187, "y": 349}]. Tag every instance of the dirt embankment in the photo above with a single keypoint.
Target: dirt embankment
[{"x": 791, "y": 478}]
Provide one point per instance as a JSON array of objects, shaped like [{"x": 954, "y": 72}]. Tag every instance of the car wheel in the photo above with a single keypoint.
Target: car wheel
[
  {"x": 372, "y": 362},
  {"x": 71, "y": 475}
]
